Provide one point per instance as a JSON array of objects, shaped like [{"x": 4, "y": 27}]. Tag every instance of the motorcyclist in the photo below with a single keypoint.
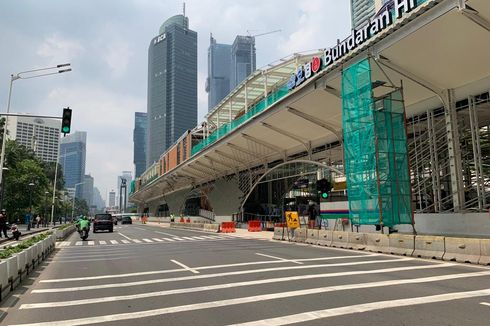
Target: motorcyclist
[{"x": 83, "y": 225}]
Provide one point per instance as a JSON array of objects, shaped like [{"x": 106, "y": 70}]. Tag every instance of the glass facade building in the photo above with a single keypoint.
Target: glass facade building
[
  {"x": 72, "y": 158},
  {"x": 243, "y": 59},
  {"x": 361, "y": 10},
  {"x": 219, "y": 72},
  {"x": 139, "y": 142},
  {"x": 172, "y": 86}
]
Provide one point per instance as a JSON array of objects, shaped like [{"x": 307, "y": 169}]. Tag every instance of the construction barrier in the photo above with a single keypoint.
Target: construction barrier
[
  {"x": 325, "y": 237},
  {"x": 228, "y": 227},
  {"x": 377, "y": 242},
  {"x": 280, "y": 233},
  {"x": 312, "y": 236},
  {"x": 401, "y": 244},
  {"x": 484, "y": 252},
  {"x": 340, "y": 239},
  {"x": 356, "y": 241},
  {"x": 462, "y": 250},
  {"x": 254, "y": 226},
  {"x": 427, "y": 246},
  {"x": 211, "y": 227},
  {"x": 299, "y": 235}
]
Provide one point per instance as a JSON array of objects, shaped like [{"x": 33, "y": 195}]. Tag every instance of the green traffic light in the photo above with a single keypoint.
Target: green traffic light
[
  {"x": 324, "y": 195},
  {"x": 66, "y": 129}
]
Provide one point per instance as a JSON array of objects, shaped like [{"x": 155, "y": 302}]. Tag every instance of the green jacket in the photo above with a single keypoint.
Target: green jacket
[{"x": 84, "y": 224}]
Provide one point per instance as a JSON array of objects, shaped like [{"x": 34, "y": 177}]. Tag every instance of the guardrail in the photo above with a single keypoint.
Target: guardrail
[
  {"x": 17, "y": 267},
  {"x": 464, "y": 250}
]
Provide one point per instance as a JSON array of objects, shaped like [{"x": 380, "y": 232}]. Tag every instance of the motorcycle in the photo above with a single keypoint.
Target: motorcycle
[
  {"x": 83, "y": 233},
  {"x": 15, "y": 232}
]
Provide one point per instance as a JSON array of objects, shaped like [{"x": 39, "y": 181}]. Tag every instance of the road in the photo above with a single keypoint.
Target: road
[{"x": 148, "y": 275}]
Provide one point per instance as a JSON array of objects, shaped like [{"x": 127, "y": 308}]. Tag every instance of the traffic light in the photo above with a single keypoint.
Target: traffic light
[
  {"x": 66, "y": 121},
  {"x": 323, "y": 186}
]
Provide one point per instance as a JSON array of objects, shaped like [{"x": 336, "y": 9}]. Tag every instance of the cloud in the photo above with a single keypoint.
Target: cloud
[{"x": 58, "y": 49}]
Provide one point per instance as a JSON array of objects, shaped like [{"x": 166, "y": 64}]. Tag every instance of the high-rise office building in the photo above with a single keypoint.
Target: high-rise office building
[
  {"x": 139, "y": 142},
  {"x": 112, "y": 198},
  {"x": 72, "y": 158},
  {"x": 98, "y": 201},
  {"x": 219, "y": 72},
  {"x": 88, "y": 189},
  {"x": 361, "y": 11},
  {"x": 243, "y": 59},
  {"x": 172, "y": 85},
  {"x": 40, "y": 135}
]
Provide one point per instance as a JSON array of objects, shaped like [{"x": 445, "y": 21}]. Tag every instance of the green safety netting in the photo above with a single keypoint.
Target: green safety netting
[
  {"x": 252, "y": 111},
  {"x": 375, "y": 151}
]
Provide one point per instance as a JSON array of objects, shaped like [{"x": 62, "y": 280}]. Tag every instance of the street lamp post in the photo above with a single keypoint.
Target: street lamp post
[
  {"x": 45, "y": 220},
  {"x": 26, "y": 75},
  {"x": 31, "y": 185},
  {"x": 75, "y": 195}
]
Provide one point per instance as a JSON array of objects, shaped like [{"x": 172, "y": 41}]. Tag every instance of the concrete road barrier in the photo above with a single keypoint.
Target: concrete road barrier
[
  {"x": 211, "y": 228},
  {"x": 4, "y": 278},
  {"x": 402, "y": 244},
  {"x": 356, "y": 241},
  {"x": 280, "y": 233},
  {"x": 484, "y": 252},
  {"x": 300, "y": 235},
  {"x": 377, "y": 242},
  {"x": 21, "y": 261},
  {"x": 340, "y": 239},
  {"x": 12, "y": 269},
  {"x": 312, "y": 236},
  {"x": 325, "y": 237},
  {"x": 427, "y": 246},
  {"x": 463, "y": 250}
]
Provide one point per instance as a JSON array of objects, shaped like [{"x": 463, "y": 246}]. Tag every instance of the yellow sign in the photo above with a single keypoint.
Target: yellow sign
[{"x": 292, "y": 219}]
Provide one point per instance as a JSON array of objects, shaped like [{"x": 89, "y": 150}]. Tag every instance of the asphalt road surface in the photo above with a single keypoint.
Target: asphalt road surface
[{"x": 147, "y": 275}]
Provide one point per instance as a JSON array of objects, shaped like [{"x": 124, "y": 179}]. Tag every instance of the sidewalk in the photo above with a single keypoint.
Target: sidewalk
[
  {"x": 240, "y": 233},
  {"x": 24, "y": 235}
]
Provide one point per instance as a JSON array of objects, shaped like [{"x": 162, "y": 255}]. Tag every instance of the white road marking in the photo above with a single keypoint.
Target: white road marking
[
  {"x": 199, "y": 238},
  {"x": 187, "y": 238},
  {"x": 59, "y": 280},
  {"x": 485, "y": 303},
  {"x": 279, "y": 258},
  {"x": 157, "y": 240},
  {"x": 256, "y": 282},
  {"x": 167, "y": 239},
  {"x": 178, "y": 239},
  {"x": 78, "y": 243},
  {"x": 147, "y": 240},
  {"x": 114, "y": 242},
  {"x": 125, "y": 241},
  {"x": 167, "y": 234},
  {"x": 140, "y": 228},
  {"x": 301, "y": 317},
  {"x": 365, "y": 307},
  {"x": 91, "y": 243},
  {"x": 184, "y": 266},
  {"x": 64, "y": 243},
  {"x": 124, "y": 236},
  {"x": 102, "y": 242},
  {"x": 185, "y": 278},
  {"x": 136, "y": 240}
]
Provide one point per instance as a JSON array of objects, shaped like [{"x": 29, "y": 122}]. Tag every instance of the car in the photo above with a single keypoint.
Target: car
[
  {"x": 103, "y": 222},
  {"x": 126, "y": 220}
]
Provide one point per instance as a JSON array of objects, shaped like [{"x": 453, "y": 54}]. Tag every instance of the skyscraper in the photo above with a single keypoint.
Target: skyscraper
[
  {"x": 72, "y": 158},
  {"x": 172, "y": 85},
  {"x": 88, "y": 189},
  {"x": 361, "y": 10},
  {"x": 97, "y": 199},
  {"x": 243, "y": 61},
  {"x": 40, "y": 135},
  {"x": 112, "y": 199},
  {"x": 139, "y": 142},
  {"x": 219, "y": 72}
]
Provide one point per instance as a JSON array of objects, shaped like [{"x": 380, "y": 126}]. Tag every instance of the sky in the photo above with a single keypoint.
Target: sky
[{"x": 106, "y": 42}]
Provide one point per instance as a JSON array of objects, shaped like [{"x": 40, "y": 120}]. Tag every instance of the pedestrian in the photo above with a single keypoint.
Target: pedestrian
[
  {"x": 3, "y": 223},
  {"x": 27, "y": 219},
  {"x": 38, "y": 220}
]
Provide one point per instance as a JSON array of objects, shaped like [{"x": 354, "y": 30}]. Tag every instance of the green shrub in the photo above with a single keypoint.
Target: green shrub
[{"x": 10, "y": 250}]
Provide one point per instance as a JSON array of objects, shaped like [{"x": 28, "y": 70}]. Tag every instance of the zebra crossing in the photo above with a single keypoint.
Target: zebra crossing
[{"x": 147, "y": 240}]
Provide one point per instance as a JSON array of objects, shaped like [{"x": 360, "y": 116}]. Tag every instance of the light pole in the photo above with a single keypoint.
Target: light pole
[
  {"x": 26, "y": 75},
  {"x": 74, "y": 196},
  {"x": 31, "y": 185},
  {"x": 45, "y": 220}
]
